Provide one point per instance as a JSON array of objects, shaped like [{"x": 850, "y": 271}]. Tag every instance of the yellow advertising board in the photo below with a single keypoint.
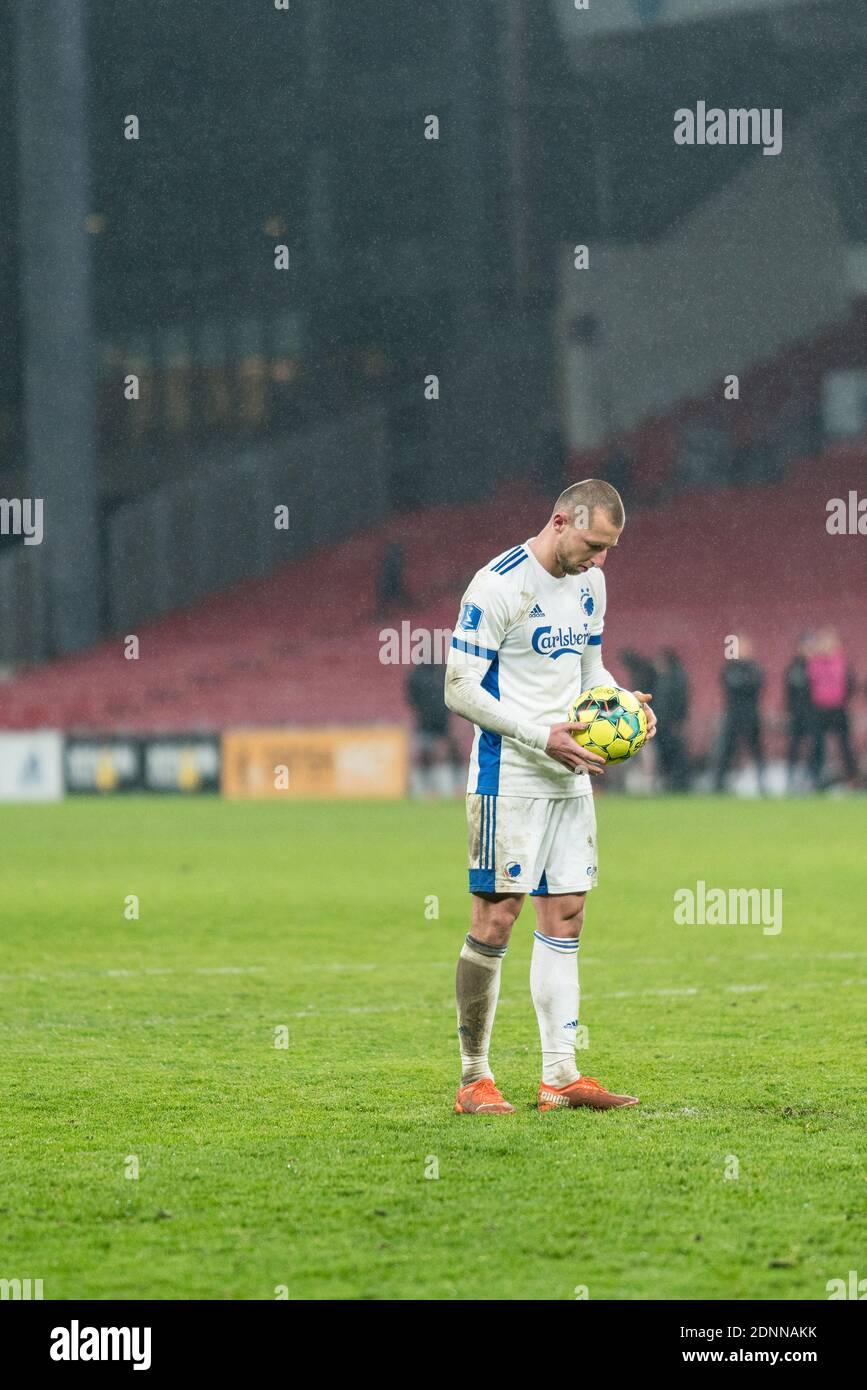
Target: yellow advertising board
[{"x": 291, "y": 763}]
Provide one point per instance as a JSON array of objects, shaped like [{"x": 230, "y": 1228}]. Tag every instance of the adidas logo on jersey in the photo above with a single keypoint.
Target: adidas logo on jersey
[{"x": 536, "y": 612}]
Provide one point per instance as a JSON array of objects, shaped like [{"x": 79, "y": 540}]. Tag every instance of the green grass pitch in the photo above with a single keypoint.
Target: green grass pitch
[{"x": 304, "y": 1167}]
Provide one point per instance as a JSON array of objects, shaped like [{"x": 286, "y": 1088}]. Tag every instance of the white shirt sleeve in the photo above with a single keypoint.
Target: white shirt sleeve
[{"x": 482, "y": 624}]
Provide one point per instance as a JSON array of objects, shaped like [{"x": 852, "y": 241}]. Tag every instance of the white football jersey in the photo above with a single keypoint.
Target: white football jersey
[{"x": 527, "y": 633}]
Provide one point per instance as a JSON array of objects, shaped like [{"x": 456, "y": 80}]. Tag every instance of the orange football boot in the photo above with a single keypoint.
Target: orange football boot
[
  {"x": 585, "y": 1091},
  {"x": 481, "y": 1098}
]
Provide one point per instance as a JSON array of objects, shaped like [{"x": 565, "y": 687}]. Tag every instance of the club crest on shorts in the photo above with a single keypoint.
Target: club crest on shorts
[{"x": 513, "y": 869}]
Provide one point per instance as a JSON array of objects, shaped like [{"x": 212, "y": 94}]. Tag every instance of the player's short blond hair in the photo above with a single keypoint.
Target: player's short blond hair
[{"x": 593, "y": 493}]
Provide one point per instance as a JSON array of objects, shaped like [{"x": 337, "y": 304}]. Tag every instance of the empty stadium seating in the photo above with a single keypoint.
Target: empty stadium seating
[{"x": 303, "y": 646}]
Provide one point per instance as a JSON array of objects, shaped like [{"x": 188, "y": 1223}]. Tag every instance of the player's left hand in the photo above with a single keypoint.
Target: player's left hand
[{"x": 651, "y": 717}]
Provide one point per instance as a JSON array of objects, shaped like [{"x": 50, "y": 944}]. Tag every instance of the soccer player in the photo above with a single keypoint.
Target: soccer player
[{"x": 527, "y": 642}]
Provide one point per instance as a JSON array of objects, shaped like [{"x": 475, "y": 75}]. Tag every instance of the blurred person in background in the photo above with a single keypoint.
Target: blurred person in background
[
  {"x": 550, "y": 456},
  {"x": 672, "y": 710},
  {"x": 742, "y": 680},
  {"x": 832, "y": 685},
  {"x": 619, "y": 467},
  {"x": 437, "y": 763},
  {"x": 391, "y": 585},
  {"x": 640, "y": 666},
  {"x": 800, "y": 709}
]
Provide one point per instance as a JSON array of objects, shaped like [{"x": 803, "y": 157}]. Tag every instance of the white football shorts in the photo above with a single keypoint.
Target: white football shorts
[{"x": 538, "y": 845}]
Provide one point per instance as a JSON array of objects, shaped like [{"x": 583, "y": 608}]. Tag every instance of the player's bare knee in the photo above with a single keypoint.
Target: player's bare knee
[
  {"x": 570, "y": 923},
  {"x": 576, "y": 918},
  {"x": 494, "y": 915},
  {"x": 562, "y": 916}
]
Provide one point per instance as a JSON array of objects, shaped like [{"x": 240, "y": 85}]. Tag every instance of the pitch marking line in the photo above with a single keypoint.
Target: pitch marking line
[
  {"x": 312, "y": 1011},
  {"x": 132, "y": 974}
]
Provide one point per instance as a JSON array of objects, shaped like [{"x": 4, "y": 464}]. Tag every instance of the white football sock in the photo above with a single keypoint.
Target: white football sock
[
  {"x": 477, "y": 987},
  {"x": 554, "y": 987}
]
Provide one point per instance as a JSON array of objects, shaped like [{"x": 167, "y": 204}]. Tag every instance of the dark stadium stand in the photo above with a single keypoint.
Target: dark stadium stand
[
  {"x": 251, "y": 657},
  {"x": 779, "y": 407}
]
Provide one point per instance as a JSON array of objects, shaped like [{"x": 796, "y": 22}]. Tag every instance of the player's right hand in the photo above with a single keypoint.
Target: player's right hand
[{"x": 562, "y": 747}]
